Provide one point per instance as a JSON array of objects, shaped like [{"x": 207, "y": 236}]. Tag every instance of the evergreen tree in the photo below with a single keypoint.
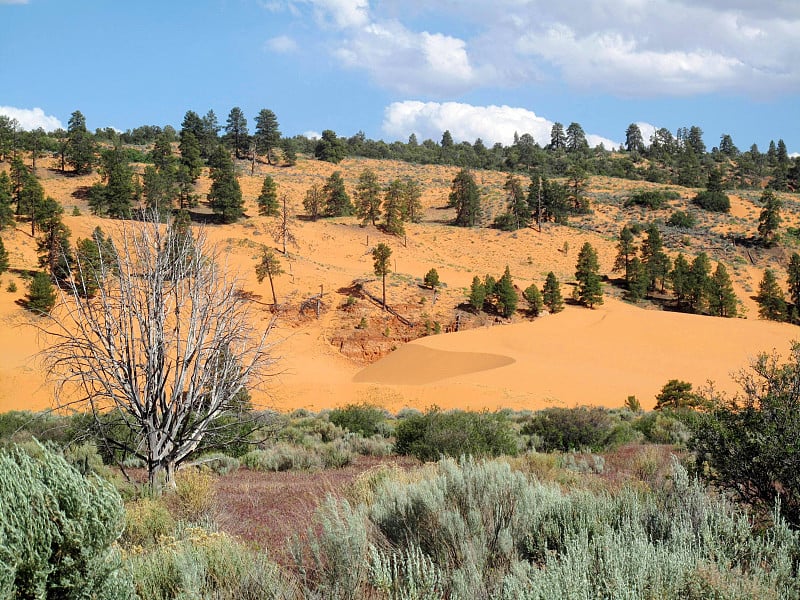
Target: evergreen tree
[
  {"x": 465, "y": 198},
  {"x": 576, "y": 180},
  {"x": 772, "y": 304},
  {"x": 31, "y": 199},
  {"x": 6, "y": 197},
  {"x": 314, "y": 201},
  {"x": 412, "y": 207},
  {"x": 95, "y": 258},
  {"x": 721, "y": 297},
  {"x": 713, "y": 198},
  {"x": 330, "y": 148},
  {"x": 576, "y": 138},
  {"x": 4, "y": 262},
  {"x": 80, "y": 145},
  {"x": 160, "y": 183},
  {"x": 589, "y": 290},
  {"x": 236, "y": 134},
  {"x": 698, "y": 282},
  {"x": 393, "y": 208},
  {"x": 269, "y": 267},
  {"x": 638, "y": 281},
  {"x": 209, "y": 134},
  {"x": 533, "y": 297},
  {"x": 655, "y": 260},
  {"x": 225, "y": 195},
  {"x": 55, "y": 253},
  {"x": 477, "y": 294},
  {"x": 19, "y": 173},
  {"x": 191, "y": 157},
  {"x": 431, "y": 279},
  {"x": 506, "y": 295},
  {"x": 268, "y": 198},
  {"x": 626, "y": 250},
  {"x": 518, "y": 213},
  {"x": 116, "y": 196},
  {"x": 41, "y": 294},
  {"x": 794, "y": 280},
  {"x": 268, "y": 134},
  {"x": 380, "y": 257},
  {"x": 368, "y": 197},
  {"x": 289, "y": 152},
  {"x": 558, "y": 139},
  {"x": 337, "y": 201},
  {"x": 680, "y": 277},
  {"x": 770, "y": 218},
  {"x": 633, "y": 138},
  {"x": 551, "y": 294}
]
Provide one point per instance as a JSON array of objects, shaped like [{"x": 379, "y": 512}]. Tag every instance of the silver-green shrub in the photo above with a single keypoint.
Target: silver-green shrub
[{"x": 57, "y": 530}]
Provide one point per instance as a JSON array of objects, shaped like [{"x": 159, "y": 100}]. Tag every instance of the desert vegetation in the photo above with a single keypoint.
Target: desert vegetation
[{"x": 164, "y": 474}]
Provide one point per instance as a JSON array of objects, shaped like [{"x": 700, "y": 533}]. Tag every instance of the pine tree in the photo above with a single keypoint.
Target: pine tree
[
  {"x": 267, "y": 135},
  {"x": 638, "y": 281},
  {"x": 393, "y": 208},
  {"x": 225, "y": 195},
  {"x": 6, "y": 197},
  {"x": 95, "y": 258},
  {"x": 506, "y": 295},
  {"x": 368, "y": 197},
  {"x": 116, "y": 196},
  {"x": 698, "y": 281},
  {"x": 534, "y": 299},
  {"x": 794, "y": 280},
  {"x": 236, "y": 132},
  {"x": 772, "y": 304},
  {"x": 654, "y": 258},
  {"x": 589, "y": 290},
  {"x": 337, "y": 201},
  {"x": 31, "y": 199},
  {"x": 518, "y": 213},
  {"x": 770, "y": 218},
  {"x": 4, "y": 262},
  {"x": 477, "y": 294},
  {"x": 465, "y": 198},
  {"x": 412, "y": 207},
  {"x": 380, "y": 257},
  {"x": 626, "y": 250},
  {"x": 558, "y": 139},
  {"x": 431, "y": 279},
  {"x": 314, "y": 201},
  {"x": 268, "y": 199},
  {"x": 551, "y": 294},
  {"x": 80, "y": 145},
  {"x": 680, "y": 277},
  {"x": 269, "y": 267},
  {"x": 160, "y": 181},
  {"x": 721, "y": 297},
  {"x": 53, "y": 244},
  {"x": 191, "y": 157},
  {"x": 41, "y": 294}
]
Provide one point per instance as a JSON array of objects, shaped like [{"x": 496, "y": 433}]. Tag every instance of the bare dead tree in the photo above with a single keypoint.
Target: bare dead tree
[
  {"x": 282, "y": 231},
  {"x": 166, "y": 345}
]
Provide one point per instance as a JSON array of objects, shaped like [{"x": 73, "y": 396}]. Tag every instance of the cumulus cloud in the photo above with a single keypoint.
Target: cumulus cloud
[
  {"x": 312, "y": 135},
  {"x": 281, "y": 44},
  {"x": 467, "y": 122},
  {"x": 31, "y": 118},
  {"x": 339, "y": 14}
]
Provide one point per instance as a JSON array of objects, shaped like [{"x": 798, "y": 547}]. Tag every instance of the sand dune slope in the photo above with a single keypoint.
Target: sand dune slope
[{"x": 577, "y": 357}]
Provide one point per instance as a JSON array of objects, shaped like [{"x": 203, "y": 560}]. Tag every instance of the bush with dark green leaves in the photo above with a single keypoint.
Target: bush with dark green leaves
[
  {"x": 566, "y": 429},
  {"x": 682, "y": 220},
  {"x": 712, "y": 201},
  {"x": 57, "y": 530},
  {"x": 652, "y": 199},
  {"x": 365, "y": 419},
  {"x": 455, "y": 433}
]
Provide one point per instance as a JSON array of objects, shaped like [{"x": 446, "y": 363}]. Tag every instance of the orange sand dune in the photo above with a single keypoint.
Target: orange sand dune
[{"x": 578, "y": 357}]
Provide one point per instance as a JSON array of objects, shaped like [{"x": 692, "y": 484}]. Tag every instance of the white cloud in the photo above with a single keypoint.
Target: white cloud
[
  {"x": 794, "y": 155},
  {"x": 341, "y": 14},
  {"x": 313, "y": 135},
  {"x": 467, "y": 122},
  {"x": 281, "y": 44},
  {"x": 409, "y": 62},
  {"x": 647, "y": 131},
  {"x": 31, "y": 118}
]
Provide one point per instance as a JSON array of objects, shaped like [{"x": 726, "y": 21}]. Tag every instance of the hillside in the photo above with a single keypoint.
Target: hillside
[{"x": 579, "y": 356}]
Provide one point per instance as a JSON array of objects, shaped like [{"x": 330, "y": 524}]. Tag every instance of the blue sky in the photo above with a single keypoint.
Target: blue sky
[{"x": 480, "y": 68}]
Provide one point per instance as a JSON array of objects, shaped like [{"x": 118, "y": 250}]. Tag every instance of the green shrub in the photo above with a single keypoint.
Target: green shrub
[
  {"x": 712, "y": 201},
  {"x": 197, "y": 563},
  {"x": 147, "y": 520},
  {"x": 682, "y": 220},
  {"x": 282, "y": 457},
  {"x": 566, "y": 429},
  {"x": 365, "y": 419},
  {"x": 57, "y": 528},
  {"x": 456, "y": 433},
  {"x": 652, "y": 199}
]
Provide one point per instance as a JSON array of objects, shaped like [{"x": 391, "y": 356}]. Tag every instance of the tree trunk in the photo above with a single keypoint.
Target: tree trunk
[
  {"x": 272, "y": 287},
  {"x": 384, "y": 292}
]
